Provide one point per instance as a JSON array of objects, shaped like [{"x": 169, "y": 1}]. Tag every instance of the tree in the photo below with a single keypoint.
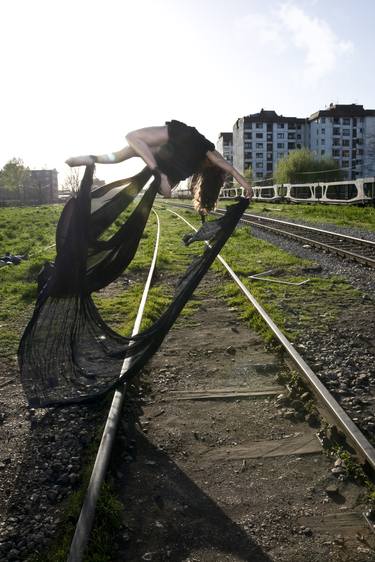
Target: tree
[
  {"x": 13, "y": 174},
  {"x": 72, "y": 181},
  {"x": 302, "y": 166}
]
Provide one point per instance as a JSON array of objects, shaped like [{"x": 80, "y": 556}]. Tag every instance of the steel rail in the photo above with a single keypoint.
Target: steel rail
[
  {"x": 86, "y": 518},
  {"x": 334, "y": 249},
  {"x": 361, "y": 241},
  {"x": 362, "y": 258},
  {"x": 359, "y": 441}
]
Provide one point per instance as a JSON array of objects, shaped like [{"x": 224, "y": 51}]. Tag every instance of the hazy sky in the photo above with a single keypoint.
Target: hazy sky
[{"x": 77, "y": 75}]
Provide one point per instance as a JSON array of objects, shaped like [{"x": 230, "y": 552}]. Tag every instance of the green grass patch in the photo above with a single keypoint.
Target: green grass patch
[{"x": 341, "y": 215}]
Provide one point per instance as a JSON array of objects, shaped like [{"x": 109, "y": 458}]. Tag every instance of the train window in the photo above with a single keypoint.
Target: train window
[
  {"x": 300, "y": 191},
  {"x": 341, "y": 191},
  {"x": 369, "y": 189},
  {"x": 268, "y": 192}
]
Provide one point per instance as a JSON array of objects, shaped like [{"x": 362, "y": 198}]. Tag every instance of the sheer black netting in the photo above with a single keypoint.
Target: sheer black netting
[{"x": 67, "y": 353}]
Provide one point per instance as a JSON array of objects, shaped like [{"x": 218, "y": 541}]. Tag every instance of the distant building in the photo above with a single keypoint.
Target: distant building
[
  {"x": 40, "y": 186},
  {"x": 345, "y": 133},
  {"x": 261, "y": 139},
  {"x": 37, "y": 187},
  {"x": 224, "y": 145}
]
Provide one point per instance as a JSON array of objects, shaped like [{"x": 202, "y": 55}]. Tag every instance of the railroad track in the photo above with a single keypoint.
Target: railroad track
[
  {"x": 332, "y": 411},
  {"x": 350, "y": 247}
]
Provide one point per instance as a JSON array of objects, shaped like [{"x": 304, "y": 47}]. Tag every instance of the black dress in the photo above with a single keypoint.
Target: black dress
[{"x": 184, "y": 152}]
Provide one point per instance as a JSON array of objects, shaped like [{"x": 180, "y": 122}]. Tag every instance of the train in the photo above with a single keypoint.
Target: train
[{"x": 360, "y": 191}]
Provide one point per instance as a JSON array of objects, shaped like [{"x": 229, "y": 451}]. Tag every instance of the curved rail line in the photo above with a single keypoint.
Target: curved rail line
[
  {"x": 358, "y": 249},
  {"x": 86, "y": 518},
  {"x": 362, "y": 446}
]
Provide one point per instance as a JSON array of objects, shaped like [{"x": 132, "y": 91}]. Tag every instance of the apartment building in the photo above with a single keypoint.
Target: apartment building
[
  {"x": 224, "y": 145},
  {"x": 261, "y": 139},
  {"x": 345, "y": 133},
  {"x": 41, "y": 186}
]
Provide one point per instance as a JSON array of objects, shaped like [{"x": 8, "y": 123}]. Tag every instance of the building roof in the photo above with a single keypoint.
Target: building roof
[
  {"x": 340, "y": 110},
  {"x": 226, "y": 136},
  {"x": 270, "y": 116}
]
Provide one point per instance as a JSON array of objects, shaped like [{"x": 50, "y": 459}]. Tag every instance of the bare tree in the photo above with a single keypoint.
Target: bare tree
[{"x": 72, "y": 181}]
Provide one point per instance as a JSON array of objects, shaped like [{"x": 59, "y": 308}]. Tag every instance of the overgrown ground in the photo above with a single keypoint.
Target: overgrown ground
[{"x": 31, "y": 230}]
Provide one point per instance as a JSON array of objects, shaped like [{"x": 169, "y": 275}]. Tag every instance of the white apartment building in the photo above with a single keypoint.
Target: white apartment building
[
  {"x": 261, "y": 139},
  {"x": 345, "y": 133},
  {"x": 224, "y": 145}
]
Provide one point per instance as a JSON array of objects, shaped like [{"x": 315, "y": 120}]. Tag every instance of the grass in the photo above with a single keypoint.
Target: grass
[
  {"x": 291, "y": 307},
  {"x": 341, "y": 215}
]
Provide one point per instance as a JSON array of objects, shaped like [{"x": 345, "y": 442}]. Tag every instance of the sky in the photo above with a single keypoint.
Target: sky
[{"x": 78, "y": 75}]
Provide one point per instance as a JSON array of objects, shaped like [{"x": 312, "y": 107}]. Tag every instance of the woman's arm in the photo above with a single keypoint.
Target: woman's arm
[{"x": 216, "y": 158}]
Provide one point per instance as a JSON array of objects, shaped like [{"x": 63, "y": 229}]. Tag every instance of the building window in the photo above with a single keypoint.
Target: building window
[
  {"x": 259, "y": 174},
  {"x": 291, "y": 145},
  {"x": 259, "y": 145},
  {"x": 323, "y": 131},
  {"x": 280, "y": 155},
  {"x": 345, "y": 142},
  {"x": 299, "y": 137},
  {"x": 269, "y": 156},
  {"x": 345, "y": 153},
  {"x": 259, "y": 135},
  {"x": 336, "y": 120},
  {"x": 336, "y": 142},
  {"x": 346, "y": 132},
  {"x": 335, "y": 152},
  {"x": 280, "y": 145},
  {"x": 259, "y": 155},
  {"x": 291, "y": 136},
  {"x": 269, "y": 147},
  {"x": 269, "y": 136},
  {"x": 322, "y": 152},
  {"x": 269, "y": 167},
  {"x": 323, "y": 120},
  {"x": 336, "y": 130},
  {"x": 259, "y": 165},
  {"x": 346, "y": 121},
  {"x": 259, "y": 125},
  {"x": 322, "y": 141},
  {"x": 280, "y": 135},
  {"x": 247, "y": 136},
  {"x": 299, "y": 127},
  {"x": 248, "y": 154}
]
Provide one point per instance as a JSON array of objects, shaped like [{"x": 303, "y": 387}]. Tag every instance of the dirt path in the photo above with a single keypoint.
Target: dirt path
[{"x": 215, "y": 472}]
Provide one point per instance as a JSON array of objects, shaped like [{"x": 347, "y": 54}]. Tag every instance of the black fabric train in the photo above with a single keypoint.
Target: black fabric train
[{"x": 67, "y": 353}]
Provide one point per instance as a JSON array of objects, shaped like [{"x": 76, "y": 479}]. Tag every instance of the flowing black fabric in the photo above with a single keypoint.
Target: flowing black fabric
[{"x": 68, "y": 353}]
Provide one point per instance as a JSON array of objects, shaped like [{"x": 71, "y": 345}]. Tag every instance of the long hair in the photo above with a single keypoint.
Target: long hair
[{"x": 205, "y": 187}]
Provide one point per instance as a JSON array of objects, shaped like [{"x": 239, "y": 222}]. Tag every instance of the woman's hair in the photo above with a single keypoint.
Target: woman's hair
[{"x": 205, "y": 187}]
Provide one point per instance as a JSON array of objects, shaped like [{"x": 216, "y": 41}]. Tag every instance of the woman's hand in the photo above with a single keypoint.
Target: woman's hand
[{"x": 248, "y": 193}]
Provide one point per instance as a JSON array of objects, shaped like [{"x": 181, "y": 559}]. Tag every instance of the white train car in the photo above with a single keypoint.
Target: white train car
[
  {"x": 353, "y": 192},
  {"x": 360, "y": 191}
]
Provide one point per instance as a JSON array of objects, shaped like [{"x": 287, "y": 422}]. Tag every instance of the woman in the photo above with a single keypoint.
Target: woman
[{"x": 176, "y": 152}]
